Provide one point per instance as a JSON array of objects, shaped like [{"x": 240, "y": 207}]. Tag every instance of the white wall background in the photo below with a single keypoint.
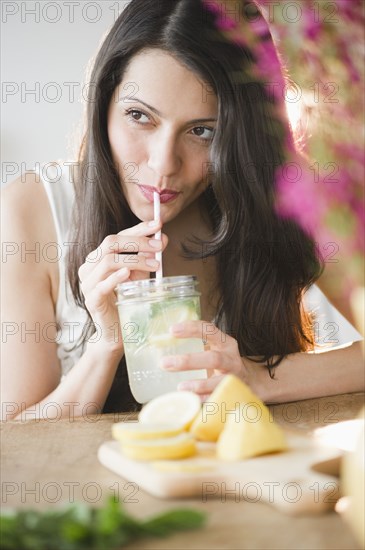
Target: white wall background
[{"x": 45, "y": 51}]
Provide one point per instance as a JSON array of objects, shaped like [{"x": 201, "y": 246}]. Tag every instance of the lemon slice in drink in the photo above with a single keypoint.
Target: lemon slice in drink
[
  {"x": 172, "y": 314},
  {"x": 181, "y": 407},
  {"x": 123, "y": 431},
  {"x": 163, "y": 341},
  {"x": 179, "y": 446}
]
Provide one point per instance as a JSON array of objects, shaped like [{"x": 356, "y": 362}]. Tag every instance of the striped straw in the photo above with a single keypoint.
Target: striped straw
[{"x": 157, "y": 216}]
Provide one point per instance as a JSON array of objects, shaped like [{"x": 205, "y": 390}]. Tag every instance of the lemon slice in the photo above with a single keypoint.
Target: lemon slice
[
  {"x": 179, "y": 446},
  {"x": 163, "y": 341},
  {"x": 171, "y": 315},
  {"x": 123, "y": 431},
  {"x": 179, "y": 406}
]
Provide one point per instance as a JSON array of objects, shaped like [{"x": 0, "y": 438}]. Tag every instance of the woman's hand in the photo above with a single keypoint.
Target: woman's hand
[
  {"x": 127, "y": 256},
  {"x": 221, "y": 357}
]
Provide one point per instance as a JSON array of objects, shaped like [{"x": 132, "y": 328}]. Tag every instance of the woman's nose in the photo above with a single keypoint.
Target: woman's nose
[{"x": 164, "y": 158}]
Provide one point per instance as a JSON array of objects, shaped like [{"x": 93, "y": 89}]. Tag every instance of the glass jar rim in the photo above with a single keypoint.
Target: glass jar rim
[
  {"x": 133, "y": 288},
  {"x": 168, "y": 281}
]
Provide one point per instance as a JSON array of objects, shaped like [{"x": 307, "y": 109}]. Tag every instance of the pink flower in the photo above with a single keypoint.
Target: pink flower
[
  {"x": 352, "y": 157},
  {"x": 269, "y": 67},
  {"x": 325, "y": 48},
  {"x": 338, "y": 186},
  {"x": 344, "y": 55},
  {"x": 260, "y": 26},
  {"x": 312, "y": 24},
  {"x": 352, "y": 9},
  {"x": 225, "y": 23},
  {"x": 299, "y": 198},
  {"x": 351, "y": 151}
]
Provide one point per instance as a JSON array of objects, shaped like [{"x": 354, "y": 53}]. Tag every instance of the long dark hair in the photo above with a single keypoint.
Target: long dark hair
[{"x": 264, "y": 263}]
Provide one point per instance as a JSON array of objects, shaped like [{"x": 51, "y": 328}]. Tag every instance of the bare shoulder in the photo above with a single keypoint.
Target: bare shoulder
[
  {"x": 25, "y": 210},
  {"x": 30, "y": 365},
  {"x": 27, "y": 229}
]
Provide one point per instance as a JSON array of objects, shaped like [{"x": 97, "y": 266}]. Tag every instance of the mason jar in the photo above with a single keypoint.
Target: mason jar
[{"x": 147, "y": 309}]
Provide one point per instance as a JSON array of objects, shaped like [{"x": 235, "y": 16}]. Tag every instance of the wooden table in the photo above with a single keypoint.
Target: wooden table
[{"x": 45, "y": 463}]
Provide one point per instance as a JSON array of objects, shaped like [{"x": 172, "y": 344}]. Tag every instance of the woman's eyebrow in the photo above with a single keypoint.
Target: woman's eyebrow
[{"x": 158, "y": 113}]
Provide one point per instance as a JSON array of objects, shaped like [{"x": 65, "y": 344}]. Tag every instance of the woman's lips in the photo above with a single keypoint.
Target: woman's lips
[{"x": 166, "y": 195}]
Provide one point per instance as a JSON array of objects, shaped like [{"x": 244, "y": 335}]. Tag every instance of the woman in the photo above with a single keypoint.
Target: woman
[{"x": 173, "y": 109}]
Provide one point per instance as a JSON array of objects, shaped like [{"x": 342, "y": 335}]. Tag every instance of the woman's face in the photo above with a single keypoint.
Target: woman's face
[{"x": 160, "y": 125}]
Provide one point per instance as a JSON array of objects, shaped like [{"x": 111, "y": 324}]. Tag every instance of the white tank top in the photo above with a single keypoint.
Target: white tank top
[
  {"x": 70, "y": 318},
  {"x": 332, "y": 330}
]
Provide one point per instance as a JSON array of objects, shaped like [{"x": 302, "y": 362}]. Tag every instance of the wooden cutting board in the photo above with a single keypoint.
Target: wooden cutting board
[{"x": 298, "y": 481}]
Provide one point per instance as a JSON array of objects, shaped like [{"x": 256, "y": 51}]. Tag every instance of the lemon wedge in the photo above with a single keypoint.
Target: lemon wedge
[
  {"x": 180, "y": 446},
  {"x": 181, "y": 406},
  {"x": 231, "y": 398},
  {"x": 163, "y": 341},
  {"x": 123, "y": 431},
  {"x": 247, "y": 439}
]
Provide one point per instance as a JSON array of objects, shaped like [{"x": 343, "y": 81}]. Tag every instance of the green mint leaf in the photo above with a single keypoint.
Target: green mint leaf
[
  {"x": 174, "y": 520},
  {"x": 81, "y": 528}
]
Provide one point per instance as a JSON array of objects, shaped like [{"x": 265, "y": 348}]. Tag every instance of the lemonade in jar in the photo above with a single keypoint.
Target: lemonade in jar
[{"x": 147, "y": 309}]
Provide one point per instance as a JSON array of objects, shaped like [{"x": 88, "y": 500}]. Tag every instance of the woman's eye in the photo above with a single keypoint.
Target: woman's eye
[
  {"x": 203, "y": 132},
  {"x": 137, "y": 116}
]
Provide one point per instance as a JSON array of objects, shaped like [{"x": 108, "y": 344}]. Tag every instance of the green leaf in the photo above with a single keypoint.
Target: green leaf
[
  {"x": 174, "y": 520},
  {"x": 79, "y": 527}
]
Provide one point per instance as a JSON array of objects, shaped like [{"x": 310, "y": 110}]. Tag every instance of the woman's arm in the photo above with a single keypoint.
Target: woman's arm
[
  {"x": 81, "y": 393},
  {"x": 30, "y": 369},
  {"x": 309, "y": 375},
  {"x": 298, "y": 376}
]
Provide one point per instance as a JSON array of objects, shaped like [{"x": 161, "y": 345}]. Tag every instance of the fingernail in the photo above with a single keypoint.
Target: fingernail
[
  {"x": 155, "y": 243},
  {"x": 168, "y": 362},
  {"x": 178, "y": 328},
  {"x": 152, "y": 263},
  {"x": 153, "y": 223},
  {"x": 185, "y": 386}
]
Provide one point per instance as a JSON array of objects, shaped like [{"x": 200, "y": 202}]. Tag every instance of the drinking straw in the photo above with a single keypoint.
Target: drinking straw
[{"x": 157, "y": 216}]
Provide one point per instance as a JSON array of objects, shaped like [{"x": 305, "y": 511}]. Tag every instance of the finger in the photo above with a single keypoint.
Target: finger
[
  {"x": 114, "y": 262},
  {"x": 213, "y": 361},
  {"x": 101, "y": 256},
  {"x": 208, "y": 332},
  {"x": 95, "y": 300},
  {"x": 93, "y": 275},
  {"x": 122, "y": 244},
  {"x": 113, "y": 255},
  {"x": 147, "y": 254},
  {"x": 204, "y": 397},
  {"x": 209, "y": 360},
  {"x": 142, "y": 229},
  {"x": 202, "y": 387}
]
